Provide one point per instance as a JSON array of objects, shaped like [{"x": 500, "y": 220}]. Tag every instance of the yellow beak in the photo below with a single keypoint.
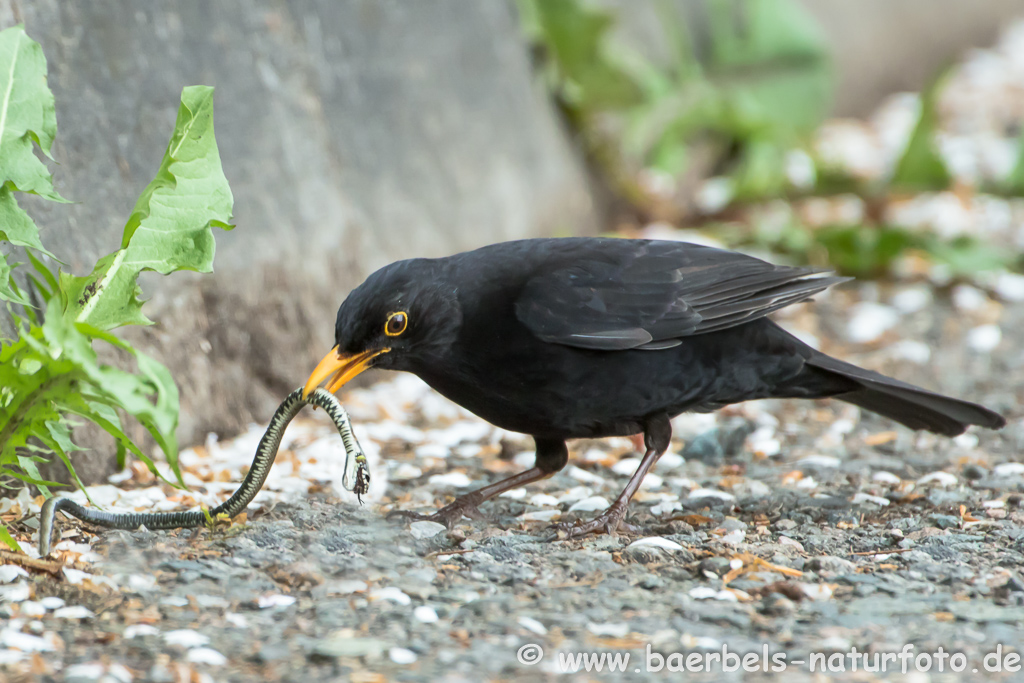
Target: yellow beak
[{"x": 340, "y": 367}]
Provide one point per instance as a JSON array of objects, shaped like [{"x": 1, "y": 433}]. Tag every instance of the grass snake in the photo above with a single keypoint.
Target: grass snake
[{"x": 356, "y": 477}]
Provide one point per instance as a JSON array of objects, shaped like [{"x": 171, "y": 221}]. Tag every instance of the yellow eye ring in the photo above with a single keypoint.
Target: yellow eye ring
[{"x": 396, "y": 324}]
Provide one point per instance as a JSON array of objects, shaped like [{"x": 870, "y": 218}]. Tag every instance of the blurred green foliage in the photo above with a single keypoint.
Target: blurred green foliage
[
  {"x": 760, "y": 89},
  {"x": 754, "y": 92}
]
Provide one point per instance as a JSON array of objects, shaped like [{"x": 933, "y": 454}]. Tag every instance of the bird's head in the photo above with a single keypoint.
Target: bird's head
[{"x": 402, "y": 315}]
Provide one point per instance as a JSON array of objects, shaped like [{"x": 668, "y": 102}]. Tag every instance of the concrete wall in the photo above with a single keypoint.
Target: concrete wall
[{"x": 352, "y": 133}]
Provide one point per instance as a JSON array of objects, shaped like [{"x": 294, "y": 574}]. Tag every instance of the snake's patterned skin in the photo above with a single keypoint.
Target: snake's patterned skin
[{"x": 355, "y": 479}]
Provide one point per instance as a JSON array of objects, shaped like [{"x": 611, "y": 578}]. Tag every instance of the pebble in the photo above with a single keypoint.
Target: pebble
[
  {"x": 390, "y": 593},
  {"x": 859, "y": 498},
  {"x": 822, "y": 461},
  {"x": 25, "y": 642},
  {"x": 275, "y": 600},
  {"x": 426, "y": 529},
  {"x": 609, "y": 630},
  {"x": 186, "y": 638},
  {"x": 984, "y": 338},
  {"x": 591, "y": 504},
  {"x": 938, "y": 479},
  {"x": 205, "y": 655},
  {"x": 425, "y": 614},
  {"x": 456, "y": 480},
  {"x": 9, "y": 572},
  {"x": 655, "y": 541},
  {"x": 1009, "y": 287},
  {"x": 1009, "y": 469},
  {"x": 869, "y": 321},
  {"x": 139, "y": 630},
  {"x": 402, "y": 655},
  {"x": 886, "y": 478},
  {"x": 968, "y": 298},
  {"x": 74, "y": 612},
  {"x": 543, "y": 500},
  {"x": 532, "y": 625},
  {"x": 711, "y": 493},
  {"x": 82, "y": 673},
  {"x": 911, "y": 350}
]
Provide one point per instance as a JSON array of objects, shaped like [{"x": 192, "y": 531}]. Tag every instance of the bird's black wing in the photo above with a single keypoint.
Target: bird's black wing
[{"x": 647, "y": 295}]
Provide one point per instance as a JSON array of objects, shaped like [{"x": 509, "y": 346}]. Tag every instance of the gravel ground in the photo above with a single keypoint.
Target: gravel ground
[
  {"x": 784, "y": 532},
  {"x": 799, "y": 527}
]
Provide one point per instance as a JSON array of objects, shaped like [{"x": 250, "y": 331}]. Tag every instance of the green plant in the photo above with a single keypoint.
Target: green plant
[
  {"x": 760, "y": 90},
  {"x": 50, "y": 373}
]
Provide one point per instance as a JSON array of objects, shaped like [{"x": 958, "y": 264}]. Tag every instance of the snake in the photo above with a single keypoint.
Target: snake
[{"x": 356, "y": 477}]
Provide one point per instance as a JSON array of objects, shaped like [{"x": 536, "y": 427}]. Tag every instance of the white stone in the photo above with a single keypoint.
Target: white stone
[
  {"x": 911, "y": 350},
  {"x": 967, "y": 298},
  {"x": 274, "y": 600},
  {"x": 984, "y": 338},
  {"x": 186, "y": 637},
  {"x": 1008, "y": 469},
  {"x": 74, "y": 612},
  {"x": 883, "y": 477},
  {"x": 206, "y": 655},
  {"x": 425, "y": 614},
  {"x": 426, "y": 529},
  {"x": 912, "y": 299},
  {"x": 9, "y": 572},
  {"x": 137, "y": 630},
  {"x": 826, "y": 461},
  {"x": 532, "y": 625},
  {"x": 543, "y": 500},
  {"x": 938, "y": 478},
  {"x": 1009, "y": 286},
  {"x": 869, "y": 321},
  {"x": 402, "y": 655},
  {"x": 711, "y": 493},
  {"x": 390, "y": 593},
  {"x": 591, "y": 504},
  {"x": 452, "y": 479},
  {"x": 656, "y": 542},
  {"x": 868, "y": 498},
  {"x": 609, "y": 630}
]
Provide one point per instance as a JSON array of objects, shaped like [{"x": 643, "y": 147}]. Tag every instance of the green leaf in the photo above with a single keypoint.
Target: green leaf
[
  {"x": 27, "y": 114},
  {"x": 575, "y": 36},
  {"x": 921, "y": 168},
  {"x": 170, "y": 228},
  {"x": 1015, "y": 182},
  {"x": 15, "y": 225},
  {"x": 8, "y": 289},
  {"x": 6, "y": 537},
  {"x": 771, "y": 62}
]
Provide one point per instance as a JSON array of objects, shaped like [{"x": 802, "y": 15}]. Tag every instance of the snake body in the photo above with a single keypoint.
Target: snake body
[{"x": 356, "y": 477}]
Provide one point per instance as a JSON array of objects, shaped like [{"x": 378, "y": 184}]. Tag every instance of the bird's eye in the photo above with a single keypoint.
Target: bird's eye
[{"x": 396, "y": 324}]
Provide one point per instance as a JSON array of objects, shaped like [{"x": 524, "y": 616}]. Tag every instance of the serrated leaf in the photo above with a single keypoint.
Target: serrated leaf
[
  {"x": 27, "y": 114},
  {"x": 15, "y": 225},
  {"x": 921, "y": 168},
  {"x": 170, "y": 228},
  {"x": 6, "y": 537},
  {"x": 8, "y": 290}
]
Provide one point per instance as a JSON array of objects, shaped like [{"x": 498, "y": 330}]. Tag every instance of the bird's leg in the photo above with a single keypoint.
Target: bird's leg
[
  {"x": 657, "y": 436},
  {"x": 551, "y": 457},
  {"x": 467, "y": 504}
]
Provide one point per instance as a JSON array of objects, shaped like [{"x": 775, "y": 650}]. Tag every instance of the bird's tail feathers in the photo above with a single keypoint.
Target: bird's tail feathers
[{"x": 912, "y": 406}]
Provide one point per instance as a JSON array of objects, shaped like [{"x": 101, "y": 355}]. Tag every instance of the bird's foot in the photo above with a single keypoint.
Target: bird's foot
[
  {"x": 449, "y": 515},
  {"x": 608, "y": 522}
]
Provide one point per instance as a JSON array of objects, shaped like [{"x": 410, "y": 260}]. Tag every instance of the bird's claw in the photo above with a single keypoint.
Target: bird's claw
[
  {"x": 608, "y": 522},
  {"x": 449, "y": 515}
]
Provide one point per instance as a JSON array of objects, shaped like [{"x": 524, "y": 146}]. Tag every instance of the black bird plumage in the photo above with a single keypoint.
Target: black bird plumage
[{"x": 589, "y": 337}]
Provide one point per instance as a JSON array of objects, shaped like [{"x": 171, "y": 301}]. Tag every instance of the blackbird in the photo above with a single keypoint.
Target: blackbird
[{"x": 589, "y": 337}]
